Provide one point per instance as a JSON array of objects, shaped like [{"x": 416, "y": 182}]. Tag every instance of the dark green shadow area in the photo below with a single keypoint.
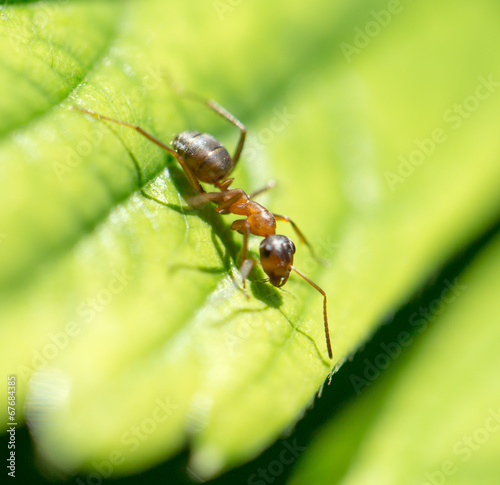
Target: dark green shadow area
[
  {"x": 259, "y": 290},
  {"x": 266, "y": 292}
]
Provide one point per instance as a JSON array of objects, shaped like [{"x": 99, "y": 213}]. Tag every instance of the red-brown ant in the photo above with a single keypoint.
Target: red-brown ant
[{"x": 204, "y": 159}]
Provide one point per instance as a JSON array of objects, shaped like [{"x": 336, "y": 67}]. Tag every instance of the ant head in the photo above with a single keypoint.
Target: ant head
[{"x": 276, "y": 258}]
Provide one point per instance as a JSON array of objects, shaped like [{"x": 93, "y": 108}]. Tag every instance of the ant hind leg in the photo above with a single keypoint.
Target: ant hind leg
[
  {"x": 270, "y": 185},
  {"x": 189, "y": 174},
  {"x": 217, "y": 108}
]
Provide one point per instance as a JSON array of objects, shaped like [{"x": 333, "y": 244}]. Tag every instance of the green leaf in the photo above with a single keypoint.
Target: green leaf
[
  {"x": 435, "y": 416},
  {"x": 121, "y": 297}
]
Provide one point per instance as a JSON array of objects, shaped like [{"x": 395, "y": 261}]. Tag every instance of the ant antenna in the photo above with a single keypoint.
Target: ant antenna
[{"x": 327, "y": 332}]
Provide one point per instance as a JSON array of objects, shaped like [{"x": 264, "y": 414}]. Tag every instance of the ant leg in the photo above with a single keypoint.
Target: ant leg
[
  {"x": 236, "y": 196},
  {"x": 229, "y": 117},
  {"x": 245, "y": 269},
  {"x": 302, "y": 238},
  {"x": 220, "y": 110},
  {"x": 327, "y": 331},
  {"x": 270, "y": 185},
  {"x": 189, "y": 174},
  {"x": 243, "y": 227},
  {"x": 224, "y": 185},
  {"x": 201, "y": 199}
]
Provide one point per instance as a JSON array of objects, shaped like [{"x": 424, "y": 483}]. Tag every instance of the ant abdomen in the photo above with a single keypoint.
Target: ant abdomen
[{"x": 205, "y": 156}]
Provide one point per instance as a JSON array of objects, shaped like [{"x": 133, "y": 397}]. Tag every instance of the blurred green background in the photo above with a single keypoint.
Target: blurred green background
[{"x": 135, "y": 354}]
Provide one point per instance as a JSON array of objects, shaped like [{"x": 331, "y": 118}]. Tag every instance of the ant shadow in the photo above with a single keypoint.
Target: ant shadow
[
  {"x": 235, "y": 313},
  {"x": 266, "y": 293},
  {"x": 223, "y": 255}
]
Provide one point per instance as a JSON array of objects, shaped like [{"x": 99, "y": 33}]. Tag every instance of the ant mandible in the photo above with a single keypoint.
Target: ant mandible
[{"x": 204, "y": 159}]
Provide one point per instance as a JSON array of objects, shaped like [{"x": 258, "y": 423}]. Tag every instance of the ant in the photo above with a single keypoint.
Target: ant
[{"x": 204, "y": 159}]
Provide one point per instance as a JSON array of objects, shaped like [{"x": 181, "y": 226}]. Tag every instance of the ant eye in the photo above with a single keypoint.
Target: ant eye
[{"x": 267, "y": 250}]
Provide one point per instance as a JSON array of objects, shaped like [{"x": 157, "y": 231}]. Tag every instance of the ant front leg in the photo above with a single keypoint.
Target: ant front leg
[
  {"x": 301, "y": 236},
  {"x": 243, "y": 227}
]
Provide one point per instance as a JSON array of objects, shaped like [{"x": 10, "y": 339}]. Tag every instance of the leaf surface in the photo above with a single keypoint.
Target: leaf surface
[
  {"x": 121, "y": 297},
  {"x": 435, "y": 416}
]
